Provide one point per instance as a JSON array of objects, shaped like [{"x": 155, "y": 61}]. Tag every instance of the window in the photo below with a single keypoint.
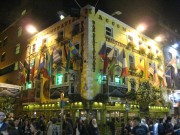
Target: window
[
  {"x": 16, "y": 66},
  {"x": 19, "y": 31},
  {"x": 76, "y": 29},
  {"x": 66, "y": 77},
  {"x": 60, "y": 35},
  {"x": 157, "y": 51},
  {"x": 1, "y": 44},
  {"x": 77, "y": 46},
  {"x": 17, "y": 48},
  {"x": 131, "y": 62},
  {"x": 44, "y": 41},
  {"x": 3, "y": 56},
  {"x": 5, "y": 41},
  {"x": 109, "y": 31},
  {"x": 33, "y": 48}
]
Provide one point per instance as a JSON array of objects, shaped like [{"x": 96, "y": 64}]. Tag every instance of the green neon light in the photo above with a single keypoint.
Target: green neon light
[
  {"x": 59, "y": 78},
  {"x": 28, "y": 85}
]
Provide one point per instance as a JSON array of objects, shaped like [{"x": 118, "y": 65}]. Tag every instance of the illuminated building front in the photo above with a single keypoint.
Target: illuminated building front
[{"x": 98, "y": 63}]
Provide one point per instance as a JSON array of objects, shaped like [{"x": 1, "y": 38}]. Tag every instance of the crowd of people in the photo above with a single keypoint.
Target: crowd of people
[
  {"x": 40, "y": 126},
  {"x": 161, "y": 126}
]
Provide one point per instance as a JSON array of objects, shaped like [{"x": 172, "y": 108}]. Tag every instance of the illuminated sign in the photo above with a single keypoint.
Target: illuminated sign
[{"x": 59, "y": 78}]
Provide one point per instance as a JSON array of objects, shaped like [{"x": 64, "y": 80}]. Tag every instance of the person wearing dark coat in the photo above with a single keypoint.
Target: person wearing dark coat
[
  {"x": 3, "y": 125},
  {"x": 93, "y": 127}
]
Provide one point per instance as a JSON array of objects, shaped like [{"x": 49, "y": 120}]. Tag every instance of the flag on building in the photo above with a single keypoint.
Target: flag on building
[
  {"x": 141, "y": 65},
  {"x": 155, "y": 77},
  {"x": 27, "y": 69},
  {"x": 68, "y": 61},
  {"x": 111, "y": 54},
  {"x": 164, "y": 83},
  {"x": 172, "y": 62},
  {"x": 151, "y": 69},
  {"x": 102, "y": 52},
  {"x": 160, "y": 73},
  {"x": 168, "y": 72},
  {"x": 42, "y": 61},
  {"x": 32, "y": 71},
  {"x": 124, "y": 72},
  {"x": 56, "y": 56},
  {"x": 20, "y": 66},
  {"x": 105, "y": 67},
  {"x": 73, "y": 49}
]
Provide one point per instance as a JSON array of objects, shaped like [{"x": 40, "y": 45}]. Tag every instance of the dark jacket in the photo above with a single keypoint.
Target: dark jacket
[{"x": 3, "y": 127}]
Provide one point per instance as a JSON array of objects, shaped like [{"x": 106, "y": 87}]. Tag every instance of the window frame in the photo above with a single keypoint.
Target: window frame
[
  {"x": 18, "y": 47},
  {"x": 111, "y": 31}
]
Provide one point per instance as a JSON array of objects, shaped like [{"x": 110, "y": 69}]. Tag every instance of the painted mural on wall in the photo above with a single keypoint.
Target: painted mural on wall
[{"x": 9, "y": 92}]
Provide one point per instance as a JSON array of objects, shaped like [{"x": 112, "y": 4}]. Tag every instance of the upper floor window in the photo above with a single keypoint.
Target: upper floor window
[
  {"x": 60, "y": 35},
  {"x": 109, "y": 31},
  {"x": 3, "y": 56},
  {"x": 19, "y": 31},
  {"x": 131, "y": 61},
  {"x": 5, "y": 41},
  {"x": 33, "y": 48},
  {"x": 76, "y": 29},
  {"x": 16, "y": 66},
  {"x": 17, "y": 48},
  {"x": 1, "y": 44},
  {"x": 44, "y": 42}
]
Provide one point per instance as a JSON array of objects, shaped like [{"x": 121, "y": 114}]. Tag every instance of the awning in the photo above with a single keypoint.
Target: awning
[{"x": 9, "y": 90}]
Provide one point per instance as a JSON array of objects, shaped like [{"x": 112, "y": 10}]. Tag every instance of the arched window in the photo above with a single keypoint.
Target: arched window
[
  {"x": 17, "y": 48},
  {"x": 131, "y": 62}
]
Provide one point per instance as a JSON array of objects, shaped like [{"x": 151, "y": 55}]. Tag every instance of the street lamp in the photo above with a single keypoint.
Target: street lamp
[
  {"x": 141, "y": 27},
  {"x": 61, "y": 15},
  {"x": 31, "y": 29},
  {"x": 116, "y": 13},
  {"x": 158, "y": 38}
]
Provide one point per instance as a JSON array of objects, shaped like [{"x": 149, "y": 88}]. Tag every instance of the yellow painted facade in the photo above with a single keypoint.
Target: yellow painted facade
[{"x": 88, "y": 33}]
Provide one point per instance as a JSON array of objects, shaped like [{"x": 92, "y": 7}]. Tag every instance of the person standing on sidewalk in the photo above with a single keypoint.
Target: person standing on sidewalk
[{"x": 3, "y": 125}]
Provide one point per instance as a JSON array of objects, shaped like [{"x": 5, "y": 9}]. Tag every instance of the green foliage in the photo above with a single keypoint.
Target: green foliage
[
  {"x": 159, "y": 58},
  {"x": 131, "y": 46},
  {"x": 142, "y": 51},
  {"x": 147, "y": 93},
  {"x": 150, "y": 55}
]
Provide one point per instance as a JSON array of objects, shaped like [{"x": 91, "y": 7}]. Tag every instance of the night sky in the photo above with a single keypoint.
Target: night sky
[{"x": 133, "y": 11}]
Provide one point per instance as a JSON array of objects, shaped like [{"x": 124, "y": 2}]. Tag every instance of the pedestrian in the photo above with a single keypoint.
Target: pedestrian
[
  {"x": 93, "y": 127},
  {"x": 155, "y": 127},
  {"x": 17, "y": 125},
  {"x": 138, "y": 128},
  {"x": 169, "y": 129},
  {"x": 3, "y": 125},
  {"x": 177, "y": 128},
  {"x": 161, "y": 128},
  {"x": 26, "y": 127},
  {"x": 67, "y": 128},
  {"x": 35, "y": 128}
]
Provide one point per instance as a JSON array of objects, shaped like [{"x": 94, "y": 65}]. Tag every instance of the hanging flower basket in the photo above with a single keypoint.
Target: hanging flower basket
[
  {"x": 150, "y": 55},
  {"x": 142, "y": 51},
  {"x": 130, "y": 46},
  {"x": 159, "y": 58}
]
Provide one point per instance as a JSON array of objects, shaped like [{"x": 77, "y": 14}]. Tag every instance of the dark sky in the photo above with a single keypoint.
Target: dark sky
[{"x": 133, "y": 11}]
